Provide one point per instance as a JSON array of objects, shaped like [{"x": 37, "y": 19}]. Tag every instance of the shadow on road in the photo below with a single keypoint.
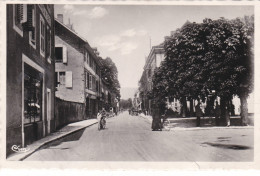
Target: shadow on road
[
  {"x": 228, "y": 146},
  {"x": 72, "y": 137}
]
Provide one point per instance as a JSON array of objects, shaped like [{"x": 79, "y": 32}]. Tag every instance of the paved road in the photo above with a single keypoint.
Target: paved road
[{"x": 129, "y": 138}]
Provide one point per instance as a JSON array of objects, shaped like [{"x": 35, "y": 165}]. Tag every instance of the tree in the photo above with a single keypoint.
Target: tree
[
  {"x": 110, "y": 76},
  {"x": 216, "y": 55}
]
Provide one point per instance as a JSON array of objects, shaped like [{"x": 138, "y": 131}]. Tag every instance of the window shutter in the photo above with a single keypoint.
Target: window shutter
[
  {"x": 88, "y": 80},
  {"x": 68, "y": 79},
  {"x": 29, "y": 18},
  {"x": 64, "y": 54},
  {"x": 19, "y": 12},
  {"x": 23, "y": 13},
  {"x": 56, "y": 79}
]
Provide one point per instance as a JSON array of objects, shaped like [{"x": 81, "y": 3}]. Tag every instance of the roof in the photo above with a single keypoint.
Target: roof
[
  {"x": 87, "y": 45},
  {"x": 155, "y": 49}
]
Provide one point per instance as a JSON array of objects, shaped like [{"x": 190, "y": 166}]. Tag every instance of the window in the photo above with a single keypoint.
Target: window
[
  {"x": 19, "y": 17},
  {"x": 33, "y": 82},
  {"x": 87, "y": 58},
  {"x": 31, "y": 23},
  {"x": 97, "y": 86},
  {"x": 94, "y": 66},
  {"x": 58, "y": 54},
  {"x": 61, "y": 53},
  {"x": 42, "y": 36},
  {"x": 48, "y": 41},
  {"x": 90, "y": 62},
  {"x": 86, "y": 75},
  {"x": 90, "y": 81},
  {"x": 62, "y": 78},
  {"x": 93, "y": 83}
]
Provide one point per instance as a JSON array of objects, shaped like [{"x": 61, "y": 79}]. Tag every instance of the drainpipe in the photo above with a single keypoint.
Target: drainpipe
[{"x": 22, "y": 105}]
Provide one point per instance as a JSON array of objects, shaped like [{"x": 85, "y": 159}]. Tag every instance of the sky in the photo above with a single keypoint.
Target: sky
[{"x": 125, "y": 32}]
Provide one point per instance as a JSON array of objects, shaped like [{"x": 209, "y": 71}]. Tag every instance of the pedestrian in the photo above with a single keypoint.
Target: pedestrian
[
  {"x": 156, "y": 123},
  {"x": 99, "y": 116},
  {"x": 217, "y": 113},
  {"x": 227, "y": 115},
  {"x": 198, "y": 113}
]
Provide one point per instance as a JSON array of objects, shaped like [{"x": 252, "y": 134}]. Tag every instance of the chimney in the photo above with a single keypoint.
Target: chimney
[
  {"x": 95, "y": 51},
  {"x": 60, "y": 17}
]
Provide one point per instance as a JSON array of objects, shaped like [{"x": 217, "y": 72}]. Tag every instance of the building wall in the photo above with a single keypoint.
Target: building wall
[
  {"x": 68, "y": 112},
  {"x": 75, "y": 63},
  {"x": 159, "y": 59},
  {"x": 18, "y": 48}
]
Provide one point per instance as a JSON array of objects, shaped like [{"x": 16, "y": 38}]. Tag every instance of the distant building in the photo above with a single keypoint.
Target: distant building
[
  {"x": 30, "y": 73},
  {"x": 77, "y": 70},
  {"x": 153, "y": 61}
]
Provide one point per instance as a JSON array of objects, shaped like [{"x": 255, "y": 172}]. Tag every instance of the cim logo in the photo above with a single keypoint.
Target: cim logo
[{"x": 17, "y": 149}]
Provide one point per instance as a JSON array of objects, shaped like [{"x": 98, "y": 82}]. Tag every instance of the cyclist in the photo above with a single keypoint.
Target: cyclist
[{"x": 101, "y": 116}]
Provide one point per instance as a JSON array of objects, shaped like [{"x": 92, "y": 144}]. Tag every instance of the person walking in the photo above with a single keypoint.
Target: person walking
[
  {"x": 227, "y": 115},
  {"x": 156, "y": 123},
  {"x": 198, "y": 114},
  {"x": 217, "y": 114}
]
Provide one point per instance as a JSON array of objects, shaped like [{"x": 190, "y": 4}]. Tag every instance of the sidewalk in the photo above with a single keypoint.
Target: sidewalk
[
  {"x": 70, "y": 128},
  {"x": 186, "y": 124}
]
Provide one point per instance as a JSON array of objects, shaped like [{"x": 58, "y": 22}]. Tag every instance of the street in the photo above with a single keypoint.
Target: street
[{"x": 130, "y": 138}]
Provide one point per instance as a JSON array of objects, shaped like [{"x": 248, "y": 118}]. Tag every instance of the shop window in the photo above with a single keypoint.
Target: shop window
[{"x": 33, "y": 81}]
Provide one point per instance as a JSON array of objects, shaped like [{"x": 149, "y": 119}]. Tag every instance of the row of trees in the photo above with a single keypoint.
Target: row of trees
[
  {"x": 212, "y": 58},
  {"x": 126, "y": 104}
]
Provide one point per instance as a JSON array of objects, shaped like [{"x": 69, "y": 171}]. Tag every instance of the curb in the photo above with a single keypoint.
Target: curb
[
  {"x": 26, "y": 155},
  {"x": 201, "y": 128}
]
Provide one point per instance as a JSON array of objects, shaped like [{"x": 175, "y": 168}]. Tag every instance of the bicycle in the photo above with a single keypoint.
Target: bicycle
[
  {"x": 102, "y": 123},
  {"x": 165, "y": 123}
]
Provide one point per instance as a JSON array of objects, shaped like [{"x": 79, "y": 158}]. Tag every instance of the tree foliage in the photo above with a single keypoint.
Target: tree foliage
[
  {"x": 202, "y": 57},
  {"x": 110, "y": 75}
]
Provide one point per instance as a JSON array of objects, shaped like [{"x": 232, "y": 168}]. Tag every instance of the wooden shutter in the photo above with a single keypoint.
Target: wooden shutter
[
  {"x": 22, "y": 13},
  {"x": 69, "y": 79},
  {"x": 88, "y": 80},
  {"x": 30, "y": 18},
  {"x": 64, "y": 54}
]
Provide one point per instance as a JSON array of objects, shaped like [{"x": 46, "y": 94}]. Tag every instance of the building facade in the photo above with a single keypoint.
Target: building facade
[
  {"x": 77, "y": 70},
  {"x": 30, "y": 73},
  {"x": 154, "y": 59}
]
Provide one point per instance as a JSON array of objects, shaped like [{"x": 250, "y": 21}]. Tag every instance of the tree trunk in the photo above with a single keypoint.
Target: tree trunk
[
  {"x": 244, "y": 110},
  {"x": 222, "y": 107},
  {"x": 191, "y": 108},
  {"x": 184, "y": 106}
]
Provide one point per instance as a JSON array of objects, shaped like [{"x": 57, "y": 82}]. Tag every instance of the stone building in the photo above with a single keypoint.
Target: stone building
[
  {"x": 153, "y": 61},
  {"x": 77, "y": 71},
  {"x": 30, "y": 73}
]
